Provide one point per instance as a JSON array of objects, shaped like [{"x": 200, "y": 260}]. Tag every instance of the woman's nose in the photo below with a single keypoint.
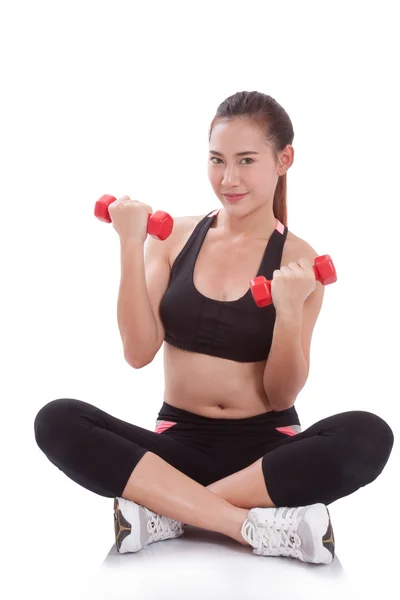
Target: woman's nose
[{"x": 230, "y": 177}]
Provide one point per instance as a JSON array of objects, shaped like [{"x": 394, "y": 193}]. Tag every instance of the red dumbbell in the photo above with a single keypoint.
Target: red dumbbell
[
  {"x": 324, "y": 270},
  {"x": 159, "y": 225}
]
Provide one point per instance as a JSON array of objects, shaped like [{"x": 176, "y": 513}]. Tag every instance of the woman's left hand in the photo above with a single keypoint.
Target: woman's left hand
[{"x": 291, "y": 285}]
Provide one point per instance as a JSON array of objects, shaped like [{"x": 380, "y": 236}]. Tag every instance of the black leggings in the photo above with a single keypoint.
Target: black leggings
[{"x": 331, "y": 459}]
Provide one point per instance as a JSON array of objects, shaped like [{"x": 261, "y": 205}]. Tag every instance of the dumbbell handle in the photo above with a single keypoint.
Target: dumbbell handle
[
  {"x": 324, "y": 270},
  {"x": 159, "y": 224}
]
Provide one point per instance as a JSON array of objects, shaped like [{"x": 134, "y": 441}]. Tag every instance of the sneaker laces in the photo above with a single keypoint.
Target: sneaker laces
[
  {"x": 277, "y": 535},
  {"x": 160, "y": 527}
]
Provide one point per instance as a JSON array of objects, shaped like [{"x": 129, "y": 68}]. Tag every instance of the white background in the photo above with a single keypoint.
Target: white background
[{"x": 117, "y": 97}]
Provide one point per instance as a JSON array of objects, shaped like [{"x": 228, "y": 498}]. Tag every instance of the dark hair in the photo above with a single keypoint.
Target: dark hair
[{"x": 272, "y": 118}]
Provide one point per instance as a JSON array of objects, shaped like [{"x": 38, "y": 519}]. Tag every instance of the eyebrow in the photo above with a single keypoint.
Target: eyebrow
[{"x": 237, "y": 154}]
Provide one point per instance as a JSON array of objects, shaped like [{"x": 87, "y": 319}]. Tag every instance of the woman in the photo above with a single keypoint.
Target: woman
[{"x": 228, "y": 453}]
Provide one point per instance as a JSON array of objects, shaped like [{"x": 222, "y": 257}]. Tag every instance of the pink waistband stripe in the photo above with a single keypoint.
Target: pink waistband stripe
[
  {"x": 286, "y": 430},
  {"x": 163, "y": 425}
]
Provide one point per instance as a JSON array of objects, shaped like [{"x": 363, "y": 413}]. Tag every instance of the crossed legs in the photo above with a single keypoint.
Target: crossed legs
[
  {"x": 331, "y": 459},
  {"x": 222, "y": 507},
  {"x": 245, "y": 489}
]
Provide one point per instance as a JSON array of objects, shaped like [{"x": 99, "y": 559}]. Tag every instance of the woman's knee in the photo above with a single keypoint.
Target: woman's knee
[
  {"x": 53, "y": 419},
  {"x": 376, "y": 429},
  {"x": 372, "y": 438}
]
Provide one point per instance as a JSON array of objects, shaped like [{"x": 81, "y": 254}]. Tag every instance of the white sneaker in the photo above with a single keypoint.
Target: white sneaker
[
  {"x": 137, "y": 526},
  {"x": 304, "y": 532}
]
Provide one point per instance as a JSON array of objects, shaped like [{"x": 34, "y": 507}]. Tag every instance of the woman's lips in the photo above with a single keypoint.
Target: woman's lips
[{"x": 234, "y": 198}]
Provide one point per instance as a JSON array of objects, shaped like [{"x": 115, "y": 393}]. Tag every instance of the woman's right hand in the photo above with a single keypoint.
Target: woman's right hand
[{"x": 130, "y": 218}]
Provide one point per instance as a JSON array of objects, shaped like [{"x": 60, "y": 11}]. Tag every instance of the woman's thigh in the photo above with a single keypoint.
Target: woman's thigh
[
  {"x": 100, "y": 451},
  {"x": 329, "y": 460}
]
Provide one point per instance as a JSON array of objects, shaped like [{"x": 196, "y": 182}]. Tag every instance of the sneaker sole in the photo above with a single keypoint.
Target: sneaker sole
[
  {"x": 328, "y": 540},
  {"x": 126, "y": 538},
  {"x": 320, "y": 521}
]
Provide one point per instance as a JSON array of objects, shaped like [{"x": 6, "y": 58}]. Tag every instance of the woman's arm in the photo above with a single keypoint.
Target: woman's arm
[{"x": 288, "y": 363}]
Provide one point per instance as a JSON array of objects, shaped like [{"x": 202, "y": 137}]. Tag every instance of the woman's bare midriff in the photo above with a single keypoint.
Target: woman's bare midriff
[{"x": 208, "y": 385}]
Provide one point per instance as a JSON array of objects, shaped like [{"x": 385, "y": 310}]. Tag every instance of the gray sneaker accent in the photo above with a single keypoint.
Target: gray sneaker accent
[
  {"x": 307, "y": 543},
  {"x": 143, "y": 520}
]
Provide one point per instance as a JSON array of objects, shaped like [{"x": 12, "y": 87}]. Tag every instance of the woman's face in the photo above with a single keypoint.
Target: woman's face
[{"x": 257, "y": 174}]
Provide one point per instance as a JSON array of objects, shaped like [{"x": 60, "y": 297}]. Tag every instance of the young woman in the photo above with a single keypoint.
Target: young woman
[{"x": 228, "y": 453}]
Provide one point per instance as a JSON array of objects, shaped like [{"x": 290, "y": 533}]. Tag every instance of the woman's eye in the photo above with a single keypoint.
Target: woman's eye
[{"x": 215, "y": 158}]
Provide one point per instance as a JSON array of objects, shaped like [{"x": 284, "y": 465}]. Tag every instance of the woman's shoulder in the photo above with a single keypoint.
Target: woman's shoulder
[
  {"x": 181, "y": 232},
  {"x": 296, "y": 247},
  {"x": 186, "y": 223}
]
